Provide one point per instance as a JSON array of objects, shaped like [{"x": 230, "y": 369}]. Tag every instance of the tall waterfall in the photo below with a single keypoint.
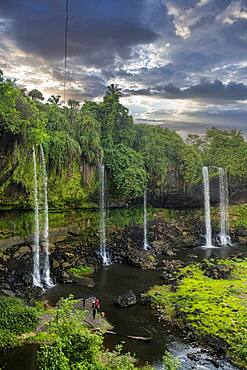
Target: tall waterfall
[
  {"x": 103, "y": 248},
  {"x": 46, "y": 272},
  {"x": 208, "y": 229},
  {"x": 36, "y": 248},
  {"x": 145, "y": 241},
  {"x": 223, "y": 237}
]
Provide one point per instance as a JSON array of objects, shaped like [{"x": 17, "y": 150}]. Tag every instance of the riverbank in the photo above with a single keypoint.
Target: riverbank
[
  {"x": 74, "y": 241},
  {"x": 207, "y": 301}
]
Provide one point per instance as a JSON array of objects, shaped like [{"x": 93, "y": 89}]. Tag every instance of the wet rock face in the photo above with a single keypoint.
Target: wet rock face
[
  {"x": 164, "y": 238},
  {"x": 218, "y": 271},
  {"x": 127, "y": 299}
]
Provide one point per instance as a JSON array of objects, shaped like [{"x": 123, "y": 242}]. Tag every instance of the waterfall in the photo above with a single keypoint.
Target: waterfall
[
  {"x": 145, "y": 242},
  {"x": 223, "y": 238},
  {"x": 46, "y": 272},
  {"x": 208, "y": 229},
  {"x": 103, "y": 248},
  {"x": 36, "y": 249}
]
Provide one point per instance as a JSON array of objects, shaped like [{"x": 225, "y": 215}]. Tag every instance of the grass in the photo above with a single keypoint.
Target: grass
[
  {"x": 81, "y": 270},
  {"x": 214, "y": 310}
]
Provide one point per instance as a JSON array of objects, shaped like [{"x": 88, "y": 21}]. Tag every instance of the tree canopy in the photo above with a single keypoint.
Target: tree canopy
[{"x": 76, "y": 138}]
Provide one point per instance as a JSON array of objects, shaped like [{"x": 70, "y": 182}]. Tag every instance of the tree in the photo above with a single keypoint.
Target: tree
[
  {"x": 113, "y": 92},
  {"x": 35, "y": 95},
  {"x": 1, "y": 76},
  {"x": 126, "y": 168},
  {"x": 54, "y": 99}
]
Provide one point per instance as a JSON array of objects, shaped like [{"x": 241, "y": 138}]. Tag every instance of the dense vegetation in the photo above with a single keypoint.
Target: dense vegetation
[
  {"x": 69, "y": 344},
  {"x": 15, "y": 319},
  {"x": 213, "y": 309},
  {"x": 77, "y": 139}
]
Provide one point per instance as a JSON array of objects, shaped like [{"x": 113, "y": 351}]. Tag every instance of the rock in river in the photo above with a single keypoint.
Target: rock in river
[{"x": 127, "y": 299}]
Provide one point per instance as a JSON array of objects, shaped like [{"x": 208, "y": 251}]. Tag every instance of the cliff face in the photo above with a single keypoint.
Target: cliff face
[
  {"x": 178, "y": 194},
  {"x": 78, "y": 188}
]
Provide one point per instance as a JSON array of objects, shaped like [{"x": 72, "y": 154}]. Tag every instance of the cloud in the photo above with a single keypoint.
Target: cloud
[
  {"x": 97, "y": 31},
  {"x": 178, "y": 61},
  {"x": 205, "y": 90},
  {"x": 234, "y": 12}
]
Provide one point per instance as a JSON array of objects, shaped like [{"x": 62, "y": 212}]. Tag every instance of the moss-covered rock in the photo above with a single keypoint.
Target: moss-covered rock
[{"x": 213, "y": 310}]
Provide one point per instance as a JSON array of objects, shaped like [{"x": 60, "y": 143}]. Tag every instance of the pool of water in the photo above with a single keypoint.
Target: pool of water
[{"x": 137, "y": 320}]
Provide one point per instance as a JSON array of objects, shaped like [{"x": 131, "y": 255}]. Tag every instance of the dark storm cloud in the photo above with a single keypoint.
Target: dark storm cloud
[
  {"x": 173, "y": 49},
  {"x": 205, "y": 90},
  {"x": 98, "y": 30}
]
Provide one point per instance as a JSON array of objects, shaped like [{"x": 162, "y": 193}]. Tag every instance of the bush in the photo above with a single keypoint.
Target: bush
[
  {"x": 16, "y": 317},
  {"x": 74, "y": 346},
  {"x": 8, "y": 340},
  {"x": 170, "y": 362},
  {"x": 81, "y": 270}
]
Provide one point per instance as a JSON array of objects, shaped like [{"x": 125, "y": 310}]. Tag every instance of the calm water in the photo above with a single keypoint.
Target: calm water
[{"x": 138, "y": 320}]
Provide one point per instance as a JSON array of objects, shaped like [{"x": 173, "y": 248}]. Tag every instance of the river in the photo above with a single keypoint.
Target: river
[{"x": 138, "y": 320}]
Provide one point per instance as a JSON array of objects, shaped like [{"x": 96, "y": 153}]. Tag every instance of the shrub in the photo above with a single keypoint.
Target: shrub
[
  {"x": 170, "y": 362},
  {"x": 16, "y": 317},
  {"x": 8, "y": 340},
  {"x": 81, "y": 270}
]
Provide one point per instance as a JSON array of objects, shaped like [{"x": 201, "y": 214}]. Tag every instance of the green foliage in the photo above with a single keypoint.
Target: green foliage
[
  {"x": 89, "y": 133},
  {"x": 76, "y": 140},
  {"x": 170, "y": 362},
  {"x": 227, "y": 149},
  {"x": 8, "y": 340},
  {"x": 213, "y": 309},
  {"x": 126, "y": 168},
  {"x": 74, "y": 346},
  {"x": 16, "y": 317},
  {"x": 81, "y": 270},
  {"x": 192, "y": 164},
  {"x": 36, "y": 94},
  {"x": 161, "y": 150}
]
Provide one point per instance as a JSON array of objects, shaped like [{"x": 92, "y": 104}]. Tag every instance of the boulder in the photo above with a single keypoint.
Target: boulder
[
  {"x": 218, "y": 271},
  {"x": 66, "y": 278},
  {"x": 8, "y": 293},
  {"x": 84, "y": 281},
  {"x": 126, "y": 299},
  {"x": 22, "y": 251}
]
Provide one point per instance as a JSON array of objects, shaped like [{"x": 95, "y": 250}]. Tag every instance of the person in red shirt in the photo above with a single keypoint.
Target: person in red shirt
[{"x": 97, "y": 305}]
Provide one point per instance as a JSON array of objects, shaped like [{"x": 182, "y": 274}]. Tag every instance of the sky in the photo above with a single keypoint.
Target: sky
[{"x": 180, "y": 63}]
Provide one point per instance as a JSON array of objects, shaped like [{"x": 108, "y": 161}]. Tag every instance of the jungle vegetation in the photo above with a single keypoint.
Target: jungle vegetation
[{"x": 77, "y": 138}]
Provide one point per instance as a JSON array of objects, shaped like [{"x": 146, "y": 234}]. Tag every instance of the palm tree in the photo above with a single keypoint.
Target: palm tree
[
  {"x": 113, "y": 91},
  {"x": 54, "y": 99}
]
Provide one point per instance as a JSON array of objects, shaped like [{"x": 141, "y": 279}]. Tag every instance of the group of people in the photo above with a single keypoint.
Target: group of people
[{"x": 95, "y": 306}]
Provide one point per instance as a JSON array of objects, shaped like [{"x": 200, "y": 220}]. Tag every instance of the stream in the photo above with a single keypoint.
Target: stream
[{"x": 138, "y": 320}]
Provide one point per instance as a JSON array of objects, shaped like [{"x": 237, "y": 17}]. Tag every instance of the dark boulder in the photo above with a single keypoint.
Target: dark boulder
[
  {"x": 126, "y": 299},
  {"x": 219, "y": 271}
]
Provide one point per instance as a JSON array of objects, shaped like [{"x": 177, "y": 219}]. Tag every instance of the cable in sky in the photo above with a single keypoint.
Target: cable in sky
[
  {"x": 65, "y": 46},
  {"x": 28, "y": 31}
]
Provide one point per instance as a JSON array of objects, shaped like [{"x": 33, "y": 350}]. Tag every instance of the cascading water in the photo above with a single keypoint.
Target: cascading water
[
  {"x": 46, "y": 272},
  {"x": 103, "y": 248},
  {"x": 36, "y": 248},
  {"x": 223, "y": 238},
  {"x": 145, "y": 241},
  {"x": 208, "y": 229}
]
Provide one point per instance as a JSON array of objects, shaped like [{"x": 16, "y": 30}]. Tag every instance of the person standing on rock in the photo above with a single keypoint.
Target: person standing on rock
[
  {"x": 97, "y": 305},
  {"x": 94, "y": 313},
  {"x": 93, "y": 302},
  {"x": 94, "y": 307},
  {"x": 83, "y": 302}
]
